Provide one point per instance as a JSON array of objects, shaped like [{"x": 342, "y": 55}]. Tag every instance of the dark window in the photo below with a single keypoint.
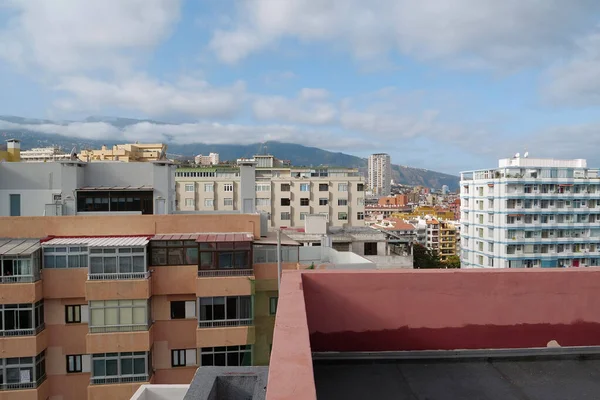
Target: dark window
[
  {"x": 360, "y": 216},
  {"x": 73, "y": 314},
  {"x": 370, "y": 248},
  {"x": 230, "y": 356},
  {"x": 285, "y": 187},
  {"x": 285, "y": 202},
  {"x": 273, "y": 305},
  {"x": 323, "y": 187},
  {"x": 174, "y": 252},
  {"x": 227, "y": 255},
  {"x": 360, "y": 187},
  {"x": 177, "y": 309},
  {"x": 225, "y": 311},
  {"x": 304, "y": 201},
  {"x": 74, "y": 364},
  {"x": 323, "y": 201},
  {"x": 15, "y": 205},
  {"x": 102, "y": 200},
  {"x": 177, "y": 358}
]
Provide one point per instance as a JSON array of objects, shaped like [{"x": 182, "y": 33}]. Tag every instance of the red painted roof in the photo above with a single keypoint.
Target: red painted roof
[{"x": 208, "y": 237}]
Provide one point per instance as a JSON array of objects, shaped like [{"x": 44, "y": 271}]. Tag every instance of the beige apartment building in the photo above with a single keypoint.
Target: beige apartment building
[{"x": 288, "y": 194}]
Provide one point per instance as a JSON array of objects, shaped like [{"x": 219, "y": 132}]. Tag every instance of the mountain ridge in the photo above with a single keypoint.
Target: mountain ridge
[{"x": 298, "y": 154}]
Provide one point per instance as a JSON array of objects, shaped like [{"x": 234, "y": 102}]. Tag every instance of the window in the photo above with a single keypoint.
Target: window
[
  {"x": 480, "y": 260},
  {"x": 65, "y": 257},
  {"x": 189, "y": 187},
  {"x": 117, "y": 263},
  {"x": 370, "y": 248},
  {"x": 323, "y": 187},
  {"x": 74, "y": 364},
  {"x": 323, "y": 201},
  {"x": 303, "y": 216},
  {"x": 229, "y": 356},
  {"x": 115, "y": 201},
  {"x": 360, "y": 187},
  {"x": 305, "y": 187},
  {"x": 285, "y": 187},
  {"x": 342, "y": 202},
  {"x": 268, "y": 253},
  {"x": 342, "y": 187},
  {"x": 119, "y": 315},
  {"x": 490, "y": 246},
  {"x": 15, "y": 205},
  {"x": 304, "y": 201},
  {"x": 120, "y": 367},
  {"x": 343, "y": 216},
  {"x": 225, "y": 256},
  {"x": 360, "y": 216},
  {"x": 285, "y": 216},
  {"x": 228, "y": 201},
  {"x": 23, "y": 372},
  {"x": 273, "y": 305},
  {"x": 21, "y": 319},
  {"x": 285, "y": 202},
  {"x": 225, "y": 311},
  {"x": 209, "y": 203},
  {"x": 189, "y": 202},
  {"x": 173, "y": 252},
  {"x": 228, "y": 187},
  {"x": 183, "y": 357},
  {"x": 263, "y": 187},
  {"x": 491, "y": 218},
  {"x": 360, "y": 201},
  {"x": 183, "y": 309},
  {"x": 73, "y": 314},
  {"x": 209, "y": 187},
  {"x": 15, "y": 269},
  {"x": 263, "y": 202},
  {"x": 490, "y": 261}
]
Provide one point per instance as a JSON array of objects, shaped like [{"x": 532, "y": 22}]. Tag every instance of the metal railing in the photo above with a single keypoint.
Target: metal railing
[
  {"x": 225, "y": 323},
  {"x": 19, "y": 279},
  {"x": 224, "y": 272},
  {"x": 119, "y": 276},
  {"x": 120, "y": 328},
  {"x": 23, "y": 332},
  {"x": 22, "y": 385},
  {"x": 119, "y": 379}
]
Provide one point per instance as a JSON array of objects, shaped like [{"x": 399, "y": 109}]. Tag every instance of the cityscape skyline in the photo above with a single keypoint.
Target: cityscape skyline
[{"x": 248, "y": 72}]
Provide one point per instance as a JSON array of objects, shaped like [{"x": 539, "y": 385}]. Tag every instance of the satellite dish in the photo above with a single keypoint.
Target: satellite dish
[
  {"x": 526, "y": 154},
  {"x": 517, "y": 155}
]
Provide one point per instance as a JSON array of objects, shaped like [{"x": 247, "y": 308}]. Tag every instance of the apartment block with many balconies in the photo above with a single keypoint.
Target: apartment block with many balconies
[{"x": 531, "y": 213}]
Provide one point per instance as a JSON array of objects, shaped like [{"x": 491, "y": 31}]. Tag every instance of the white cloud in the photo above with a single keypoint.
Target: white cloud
[
  {"x": 475, "y": 33},
  {"x": 307, "y": 108},
  {"x": 187, "y": 97},
  {"x": 71, "y": 35}
]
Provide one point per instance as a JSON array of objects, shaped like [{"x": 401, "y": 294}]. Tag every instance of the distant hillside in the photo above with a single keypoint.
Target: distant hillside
[{"x": 297, "y": 154}]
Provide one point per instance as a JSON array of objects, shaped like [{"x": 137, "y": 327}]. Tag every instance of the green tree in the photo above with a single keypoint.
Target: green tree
[
  {"x": 425, "y": 258},
  {"x": 452, "y": 262}
]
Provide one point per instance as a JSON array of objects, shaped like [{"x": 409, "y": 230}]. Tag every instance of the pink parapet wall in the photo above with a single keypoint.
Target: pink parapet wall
[{"x": 451, "y": 309}]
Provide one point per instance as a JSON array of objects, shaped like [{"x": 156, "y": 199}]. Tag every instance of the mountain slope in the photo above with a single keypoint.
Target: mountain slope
[{"x": 297, "y": 154}]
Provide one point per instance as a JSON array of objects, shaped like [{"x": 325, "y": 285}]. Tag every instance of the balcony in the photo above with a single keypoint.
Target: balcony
[
  {"x": 20, "y": 293},
  {"x": 130, "y": 288},
  {"x": 225, "y": 336},
  {"x": 23, "y": 342},
  {"x": 224, "y": 272},
  {"x": 124, "y": 389},
  {"x": 118, "y": 276},
  {"x": 240, "y": 283},
  {"x": 20, "y": 386},
  {"x": 225, "y": 323},
  {"x": 119, "y": 379},
  {"x": 114, "y": 339}
]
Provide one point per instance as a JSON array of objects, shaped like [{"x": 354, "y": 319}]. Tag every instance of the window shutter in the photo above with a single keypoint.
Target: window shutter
[
  {"x": 85, "y": 314},
  {"x": 86, "y": 361},
  {"x": 190, "y": 357},
  {"x": 190, "y": 309}
]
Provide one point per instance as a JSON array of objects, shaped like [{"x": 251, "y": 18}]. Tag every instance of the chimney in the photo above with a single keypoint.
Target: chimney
[
  {"x": 13, "y": 148},
  {"x": 247, "y": 192}
]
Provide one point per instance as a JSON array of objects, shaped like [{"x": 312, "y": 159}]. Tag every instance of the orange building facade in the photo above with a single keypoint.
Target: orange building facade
[{"x": 94, "y": 306}]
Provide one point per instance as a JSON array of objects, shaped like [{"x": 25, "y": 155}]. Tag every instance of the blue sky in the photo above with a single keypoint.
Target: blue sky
[{"x": 447, "y": 85}]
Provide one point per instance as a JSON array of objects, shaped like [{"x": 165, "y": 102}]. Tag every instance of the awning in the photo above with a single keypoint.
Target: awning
[
  {"x": 110, "y": 241},
  {"x": 18, "y": 247},
  {"x": 207, "y": 237},
  {"x": 122, "y": 188}
]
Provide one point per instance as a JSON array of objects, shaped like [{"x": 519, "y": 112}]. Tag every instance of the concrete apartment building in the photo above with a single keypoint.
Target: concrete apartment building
[
  {"x": 531, "y": 212},
  {"x": 12, "y": 152},
  {"x": 75, "y": 187},
  {"x": 94, "y": 306},
  {"x": 133, "y": 152},
  {"x": 287, "y": 194},
  {"x": 44, "y": 154},
  {"x": 211, "y": 159},
  {"x": 379, "y": 174}
]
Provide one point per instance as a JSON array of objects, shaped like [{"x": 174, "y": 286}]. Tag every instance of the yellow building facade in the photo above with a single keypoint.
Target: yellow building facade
[{"x": 126, "y": 153}]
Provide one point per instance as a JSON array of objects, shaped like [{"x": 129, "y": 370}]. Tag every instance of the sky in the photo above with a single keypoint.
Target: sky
[{"x": 447, "y": 85}]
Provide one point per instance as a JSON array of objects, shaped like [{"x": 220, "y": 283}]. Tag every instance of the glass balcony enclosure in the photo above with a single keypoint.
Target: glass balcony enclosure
[{"x": 19, "y": 260}]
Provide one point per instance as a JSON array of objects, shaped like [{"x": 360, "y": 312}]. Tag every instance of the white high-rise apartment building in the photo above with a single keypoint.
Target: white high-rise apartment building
[
  {"x": 531, "y": 213},
  {"x": 380, "y": 174},
  {"x": 211, "y": 159}
]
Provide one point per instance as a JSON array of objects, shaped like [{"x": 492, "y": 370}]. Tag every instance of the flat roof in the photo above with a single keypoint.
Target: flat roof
[
  {"x": 133, "y": 188},
  {"x": 208, "y": 237},
  {"x": 491, "y": 379},
  {"x": 271, "y": 239},
  {"x": 18, "y": 247},
  {"x": 108, "y": 241}
]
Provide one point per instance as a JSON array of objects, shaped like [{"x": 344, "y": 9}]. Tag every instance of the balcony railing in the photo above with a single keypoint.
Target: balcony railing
[
  {"x": 23, "y": 332},
  {"x": 22, "y": 385},
  {"x": 205, "y": 273},
  {"x": 119, "y": 276},
  {"x": 225, "y": 323},
  {"x": 120, "y": 328},
  {"x": 94, "y": 380},
  {"x": 19, "y": 279}
]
